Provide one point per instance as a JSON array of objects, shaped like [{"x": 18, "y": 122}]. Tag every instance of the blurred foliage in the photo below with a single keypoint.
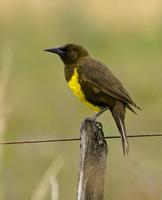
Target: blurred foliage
[{"x": 125, "y": 35}]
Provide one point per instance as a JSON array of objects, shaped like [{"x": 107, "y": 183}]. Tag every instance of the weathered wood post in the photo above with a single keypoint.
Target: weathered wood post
[{"x": 93, "y": 155}]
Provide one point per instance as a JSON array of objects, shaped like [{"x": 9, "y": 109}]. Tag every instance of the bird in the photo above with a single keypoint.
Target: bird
[{"x": 95, "y": 84}]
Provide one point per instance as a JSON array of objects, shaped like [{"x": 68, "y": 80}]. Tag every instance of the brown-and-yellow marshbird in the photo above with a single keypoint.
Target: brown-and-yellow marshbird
[{"x": 95, "y": 85}]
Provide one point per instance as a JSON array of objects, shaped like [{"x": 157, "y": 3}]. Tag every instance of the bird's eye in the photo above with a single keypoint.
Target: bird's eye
[{"x": 64, "y": 49}]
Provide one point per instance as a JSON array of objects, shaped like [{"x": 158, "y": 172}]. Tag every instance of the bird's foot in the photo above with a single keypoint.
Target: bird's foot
[{"x": 93, "y": 119}]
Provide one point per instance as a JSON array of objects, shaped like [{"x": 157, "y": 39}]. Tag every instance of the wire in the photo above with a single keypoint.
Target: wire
[{"x": 74, "y": 139}]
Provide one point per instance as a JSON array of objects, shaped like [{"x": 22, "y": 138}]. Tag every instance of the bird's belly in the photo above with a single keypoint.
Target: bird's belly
[{"x": 76, "y": 88}]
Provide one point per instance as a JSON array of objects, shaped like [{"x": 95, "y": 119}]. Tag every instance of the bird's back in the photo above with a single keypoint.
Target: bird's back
[{"x": 97, "y": 76}]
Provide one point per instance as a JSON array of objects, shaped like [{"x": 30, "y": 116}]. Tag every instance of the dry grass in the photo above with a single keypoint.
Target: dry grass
[{"x": 49, "y": 184}]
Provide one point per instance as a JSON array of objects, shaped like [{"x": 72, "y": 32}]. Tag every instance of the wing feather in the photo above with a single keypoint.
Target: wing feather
[{"x": 96, "y": 73}]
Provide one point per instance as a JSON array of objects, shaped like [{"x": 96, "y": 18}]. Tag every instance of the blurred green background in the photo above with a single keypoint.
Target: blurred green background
[{"x": 36, "y": 103}]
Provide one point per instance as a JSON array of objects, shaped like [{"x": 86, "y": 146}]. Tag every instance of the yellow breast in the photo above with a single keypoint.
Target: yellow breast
[{"x": 76, "y": 88}]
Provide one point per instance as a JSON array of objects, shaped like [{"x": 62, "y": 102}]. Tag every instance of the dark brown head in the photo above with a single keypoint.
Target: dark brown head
[{"x": 69, "y": 53}]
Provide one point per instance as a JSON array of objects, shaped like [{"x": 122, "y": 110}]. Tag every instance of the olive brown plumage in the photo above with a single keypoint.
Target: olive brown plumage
[{"x": 96, "y": 85}]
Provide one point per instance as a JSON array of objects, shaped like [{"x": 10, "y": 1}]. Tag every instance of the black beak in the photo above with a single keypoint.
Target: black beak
[{"x": 55, "y": 50}]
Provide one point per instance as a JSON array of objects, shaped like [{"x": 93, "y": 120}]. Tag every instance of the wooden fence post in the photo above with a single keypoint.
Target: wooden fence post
[{"x": 93, "y": 155}]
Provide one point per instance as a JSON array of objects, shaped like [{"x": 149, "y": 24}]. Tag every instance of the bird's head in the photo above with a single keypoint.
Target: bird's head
[{"x": 69, "y": 53}]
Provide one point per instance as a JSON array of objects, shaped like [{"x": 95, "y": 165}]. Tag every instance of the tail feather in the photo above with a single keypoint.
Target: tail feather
[
  {"x": 122, "y": 131},
  {"x": 118, "y": 113}
]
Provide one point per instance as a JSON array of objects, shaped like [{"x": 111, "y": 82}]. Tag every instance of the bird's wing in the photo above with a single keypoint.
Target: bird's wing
[{"x": 96, "y": 73}]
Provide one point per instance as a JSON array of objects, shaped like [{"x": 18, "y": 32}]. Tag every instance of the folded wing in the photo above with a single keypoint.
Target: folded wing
[{"x": 96, "y": 73}]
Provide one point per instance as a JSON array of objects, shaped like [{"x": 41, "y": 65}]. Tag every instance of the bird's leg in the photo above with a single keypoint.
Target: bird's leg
[{"x": 94, "y": 117}]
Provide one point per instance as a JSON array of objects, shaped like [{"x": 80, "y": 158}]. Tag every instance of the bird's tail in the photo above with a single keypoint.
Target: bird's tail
[{"x": 118, "y": 113}]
